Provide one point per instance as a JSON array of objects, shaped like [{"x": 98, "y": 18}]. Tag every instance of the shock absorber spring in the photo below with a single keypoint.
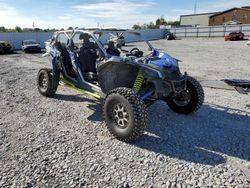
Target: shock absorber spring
[{"x": 138, "y": 81}]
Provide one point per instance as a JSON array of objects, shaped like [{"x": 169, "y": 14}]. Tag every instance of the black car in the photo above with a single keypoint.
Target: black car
[
  {"x": 5, "y": 47},
  {"x": 30, "y": 46},
  {"x": 169, "y": 35}
]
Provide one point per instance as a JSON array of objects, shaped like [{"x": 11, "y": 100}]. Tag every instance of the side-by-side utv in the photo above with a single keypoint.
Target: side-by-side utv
[{"x": 128, "y": 80}]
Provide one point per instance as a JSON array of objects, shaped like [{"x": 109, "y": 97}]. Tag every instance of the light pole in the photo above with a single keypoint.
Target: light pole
[{"x": 195, "y": 6}]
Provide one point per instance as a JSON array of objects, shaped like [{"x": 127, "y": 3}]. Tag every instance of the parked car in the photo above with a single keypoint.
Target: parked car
[
  {"x": 5, "y": 47},
  {"x": 118, "y": 39},
  {"x": 234, "y": 36},
  {"x": 169, "y": 35},
  {"x": 30, "y": 46}
]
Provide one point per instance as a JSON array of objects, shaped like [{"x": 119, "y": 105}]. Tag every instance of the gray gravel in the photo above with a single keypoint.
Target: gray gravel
[{"x": 63, "y": 142}]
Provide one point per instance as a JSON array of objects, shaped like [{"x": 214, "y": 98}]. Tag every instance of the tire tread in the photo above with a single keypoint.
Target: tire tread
[
  {"x": 200, "y": 95},
  {"x": 50, "y": 91},
  {"x": 139, "y": 111}
]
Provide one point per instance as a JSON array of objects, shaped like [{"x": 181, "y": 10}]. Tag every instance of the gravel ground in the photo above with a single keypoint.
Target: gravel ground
[{"x": 63, "y": 142}]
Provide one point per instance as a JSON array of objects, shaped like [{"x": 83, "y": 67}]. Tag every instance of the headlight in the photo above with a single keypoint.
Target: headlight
[{"x": 152, "y": 73}]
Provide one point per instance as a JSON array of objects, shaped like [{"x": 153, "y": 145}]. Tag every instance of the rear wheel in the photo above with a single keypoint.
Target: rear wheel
[
  {"x": 125, "y": 114},
  {"x": 44, "y": 83},
  {"x": 190, "y": 100}
]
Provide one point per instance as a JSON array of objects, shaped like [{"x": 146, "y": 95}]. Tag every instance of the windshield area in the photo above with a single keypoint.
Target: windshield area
[
  {"x": 28, "y": 42},
  {"x": 137, "y": 49}
]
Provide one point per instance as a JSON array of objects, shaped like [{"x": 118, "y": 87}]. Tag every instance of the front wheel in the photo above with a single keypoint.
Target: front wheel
[
  {"x": 44, "y": 83},
  {"x": 125, "y": 114},
  {"x": 189, "y": 100}
]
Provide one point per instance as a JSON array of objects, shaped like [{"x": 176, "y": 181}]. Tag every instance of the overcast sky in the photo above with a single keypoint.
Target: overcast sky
[{"x": 107, "y": 13}]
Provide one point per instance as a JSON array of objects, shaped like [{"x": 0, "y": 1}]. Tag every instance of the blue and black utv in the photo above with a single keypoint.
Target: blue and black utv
[{"x": 127, "y": 80}]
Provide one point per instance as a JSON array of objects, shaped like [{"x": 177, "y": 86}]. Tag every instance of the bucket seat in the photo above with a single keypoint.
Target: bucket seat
[{"x": 87, "y": 54}]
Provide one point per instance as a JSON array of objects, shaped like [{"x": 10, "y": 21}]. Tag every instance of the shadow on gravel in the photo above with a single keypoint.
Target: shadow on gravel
[
  {"x": 93, "y": 104},
  {"x": 205, "y": 137},
  {"x": 72, "y": 98}
]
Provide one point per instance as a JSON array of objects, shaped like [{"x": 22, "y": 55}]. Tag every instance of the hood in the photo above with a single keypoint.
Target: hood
[{"x": 163, "y": 60}]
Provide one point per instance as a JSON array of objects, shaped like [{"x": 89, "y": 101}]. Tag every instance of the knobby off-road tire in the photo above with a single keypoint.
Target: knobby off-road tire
[
  {"x": 125, "y": 114},
  {"x": 44, "y": 83},
  {"x": 196, "y": 98}
]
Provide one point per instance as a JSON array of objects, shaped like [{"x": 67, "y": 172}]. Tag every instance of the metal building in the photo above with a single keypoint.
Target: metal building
[
  {"x": 195, "y": 20},
  {"x": 227, "y": 17}
]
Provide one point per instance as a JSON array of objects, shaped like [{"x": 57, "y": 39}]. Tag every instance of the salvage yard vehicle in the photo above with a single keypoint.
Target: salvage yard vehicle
[
  {"x": 241, "y": 86},
  {"x": 234, "y": 36},
  {"x": 30, "y": 46},
  {"x": 128, "y": 81},
  {"x": 5, "y": 47},
  {"x": 169, "y": 35}
]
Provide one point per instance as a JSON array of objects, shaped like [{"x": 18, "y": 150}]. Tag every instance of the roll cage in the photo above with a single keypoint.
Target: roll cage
[
  {"x": 96, "y": 35},
  {"x": 70, "y": 34}
]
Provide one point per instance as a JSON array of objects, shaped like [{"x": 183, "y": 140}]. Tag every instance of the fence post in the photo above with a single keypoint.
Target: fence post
[
  {"x": 225, "y": 30},
  {"x": 197, "y": 33},
  {"x": 209, "y": 32}
]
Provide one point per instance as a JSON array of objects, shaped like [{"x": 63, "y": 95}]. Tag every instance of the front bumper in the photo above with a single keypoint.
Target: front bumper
[
  {"x": 32, "y": 48},
  {"x": 170, "y": 88},
  {"x": 178, "y": 86},
  {"x": 8, "y": 49}
]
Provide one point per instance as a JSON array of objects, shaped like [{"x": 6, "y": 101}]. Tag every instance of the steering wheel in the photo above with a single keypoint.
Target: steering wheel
[
  {"x": 133, "y": 50},
  {"x": 136, "y": 52}
]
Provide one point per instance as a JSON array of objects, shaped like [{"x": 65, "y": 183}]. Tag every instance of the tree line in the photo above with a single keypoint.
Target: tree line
[
  {"x": 18, "y": 29},
  {"x": 156, "y": 25}
]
